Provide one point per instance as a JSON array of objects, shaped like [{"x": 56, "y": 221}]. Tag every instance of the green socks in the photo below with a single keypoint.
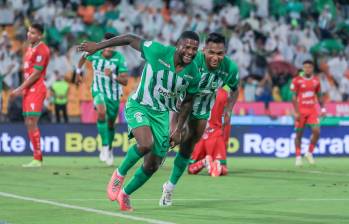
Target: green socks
[
  {"x": 111, "y": 134},
  {"x": 102, "y": 128},
  {"x": 131, "y": 158},
  {"x": 138, "y": 179},
  {"x": 179, "y": 166}
]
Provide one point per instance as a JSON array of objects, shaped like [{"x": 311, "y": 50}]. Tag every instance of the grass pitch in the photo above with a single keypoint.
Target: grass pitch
[{"x": 257, "y": 190}]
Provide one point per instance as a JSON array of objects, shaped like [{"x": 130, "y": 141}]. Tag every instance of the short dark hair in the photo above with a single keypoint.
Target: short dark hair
[
  {"x": 39, "y": 27},
  {"x": 108, "y": 36},
  {"x": 215, "y": 38},
  {"x": 189, "y": 35},
  {"x": 310, "y": 62}
]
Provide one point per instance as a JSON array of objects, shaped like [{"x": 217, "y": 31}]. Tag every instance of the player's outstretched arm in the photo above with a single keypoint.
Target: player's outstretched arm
[
  {"x": 128, "y": 39},
  {"x": 186, "y": 108}
]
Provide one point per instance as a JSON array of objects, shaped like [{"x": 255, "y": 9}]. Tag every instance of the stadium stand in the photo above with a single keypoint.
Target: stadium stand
[{"x": 269, "y": 39}]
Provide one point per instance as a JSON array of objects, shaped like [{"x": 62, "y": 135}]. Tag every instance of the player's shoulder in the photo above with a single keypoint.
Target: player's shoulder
[
  {"x": 42, "y": 47},
  {"x": 297, "y": 78}
]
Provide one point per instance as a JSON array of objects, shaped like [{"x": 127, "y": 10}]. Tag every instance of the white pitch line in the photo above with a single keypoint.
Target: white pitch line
[
  {"x": 324, "y": 173},
  {"x": 217, "y": 199},
  {"x": 92, "y": 210}
]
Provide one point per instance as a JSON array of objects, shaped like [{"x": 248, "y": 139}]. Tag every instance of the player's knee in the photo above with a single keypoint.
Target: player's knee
[
  {"x": 30, "y": 123},
  {"x": 101, "y": 115},
  {"x": 151, "y": 166},
  {"x": 145, "y": 147},
  {"x": 316, "y": 131}
]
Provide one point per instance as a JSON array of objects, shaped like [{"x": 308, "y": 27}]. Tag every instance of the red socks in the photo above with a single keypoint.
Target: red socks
[
  {"x": 195, "y": 168},
  {"x": 34, "y": 137},
  {"x": 298, "y": 151},
  {"x": 311, "y": 148}
]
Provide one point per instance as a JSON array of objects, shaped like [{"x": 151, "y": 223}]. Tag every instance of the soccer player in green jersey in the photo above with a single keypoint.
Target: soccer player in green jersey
[
  {"x": 216, "y": 70},
  {"x": 168, "y": 75},
  {"x": 109, "y": 75}
]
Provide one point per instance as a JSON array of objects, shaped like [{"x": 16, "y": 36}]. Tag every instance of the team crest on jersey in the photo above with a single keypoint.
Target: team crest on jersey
[
  {"x": 139, "y": 117},
  {"x": 148, "y": 43},
  {"x": 38, "y": 58},
  {"x": 164, "y": 63}
]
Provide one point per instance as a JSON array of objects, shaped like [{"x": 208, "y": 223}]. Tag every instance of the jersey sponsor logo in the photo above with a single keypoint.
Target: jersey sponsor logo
[
  {"x": 32, "y": 106},
  {"x": 148, "y": 43},
  {"x": 139, "y": 117},
  {"x": 186, "y": 76},
  {"x": 164, "y": 92},
  {"x": 308, "y": 94},
  {"x": 38, "y": 58},
  {"x": 164, "y": 63}
]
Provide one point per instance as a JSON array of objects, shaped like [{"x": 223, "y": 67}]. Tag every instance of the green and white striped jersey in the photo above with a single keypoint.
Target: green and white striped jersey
[
  {"x": 103, "y": 83},
  {"x": 211, "y": 80},
  {"x": 160, "y": 86}
]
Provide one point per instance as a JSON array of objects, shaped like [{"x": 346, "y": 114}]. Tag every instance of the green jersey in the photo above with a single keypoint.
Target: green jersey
[
  {"x": 160, "y": 86},
  {"x": 211, "y": 80},
  {"x": 107, "y": 85}
]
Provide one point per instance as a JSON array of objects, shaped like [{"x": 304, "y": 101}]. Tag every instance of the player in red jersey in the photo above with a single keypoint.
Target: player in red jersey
[
  {"x": 33, "y": 88},
  {"x": 211, "y": 150},
  {"x": 306, "y": 97}
]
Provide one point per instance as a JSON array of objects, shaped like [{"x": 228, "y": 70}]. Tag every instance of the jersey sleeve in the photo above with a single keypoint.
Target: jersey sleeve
[
  {"x": 89, "y": 57},
  {"x": 40, "y": 59},
  {"x": 152, "y": 50},
  {"x": 234, "y": 78},
  {"x": 122, "y": 66},
  {"x": 193, "y": 87},
  {"x": 294, "y": 86}
]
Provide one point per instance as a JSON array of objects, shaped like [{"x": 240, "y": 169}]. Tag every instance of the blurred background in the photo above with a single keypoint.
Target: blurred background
[{"x": 269, "y": 40}]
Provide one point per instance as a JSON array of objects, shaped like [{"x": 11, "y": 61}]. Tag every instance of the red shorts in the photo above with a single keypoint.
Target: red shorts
[
  {"x": 308, "y": 118},
  {"x": 212, "y": 144},
  {"x": 33, "y": 102}
]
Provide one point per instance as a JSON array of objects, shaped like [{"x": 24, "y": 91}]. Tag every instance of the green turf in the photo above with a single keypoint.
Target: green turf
[{"x": 257, "y": 190}]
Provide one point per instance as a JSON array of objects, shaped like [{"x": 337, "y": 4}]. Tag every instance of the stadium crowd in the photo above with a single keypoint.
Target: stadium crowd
[{"x": 269, "y": 39}]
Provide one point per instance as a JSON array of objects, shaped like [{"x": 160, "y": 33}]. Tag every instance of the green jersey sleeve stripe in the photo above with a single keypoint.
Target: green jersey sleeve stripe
[{"x": 38, "y": 67}]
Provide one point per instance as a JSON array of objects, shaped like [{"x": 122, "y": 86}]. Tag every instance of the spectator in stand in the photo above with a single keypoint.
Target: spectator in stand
[{"x": 60, "y": 90}]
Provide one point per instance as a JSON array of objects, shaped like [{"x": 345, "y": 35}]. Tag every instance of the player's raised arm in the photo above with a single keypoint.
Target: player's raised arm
[
  {"x": 128, "y": 39},
  {"x": 78, "y": 70}
]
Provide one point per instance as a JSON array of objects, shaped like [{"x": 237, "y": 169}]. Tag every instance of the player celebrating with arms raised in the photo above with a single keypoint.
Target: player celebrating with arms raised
[
  {"x": 33, "y": 88},
  {"x": 216, "y": 70},
  {"x": 110, "y": 72},
  {"x": 306, "y": 90},
  {"x": 169, "y": 74}
]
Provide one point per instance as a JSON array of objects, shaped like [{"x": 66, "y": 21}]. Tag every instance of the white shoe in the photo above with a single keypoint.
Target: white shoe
[
  {"x": 110, "y": 158},
  {"x": 166, "y": 198},
  {"x": 103, "y": 153},
  {"x": 299, "y": 161},
  {"x": 310, "y": 158}
]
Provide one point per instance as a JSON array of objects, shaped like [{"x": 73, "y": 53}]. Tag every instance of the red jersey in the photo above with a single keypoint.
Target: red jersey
[
  {"x": 217, "y": 111},
  {"x": 306, "y": 90},
  {"x": 36, "y": 58}
]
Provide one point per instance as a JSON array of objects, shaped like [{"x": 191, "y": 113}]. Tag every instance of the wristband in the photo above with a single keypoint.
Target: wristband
[{"x": 78, "y": 71}]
